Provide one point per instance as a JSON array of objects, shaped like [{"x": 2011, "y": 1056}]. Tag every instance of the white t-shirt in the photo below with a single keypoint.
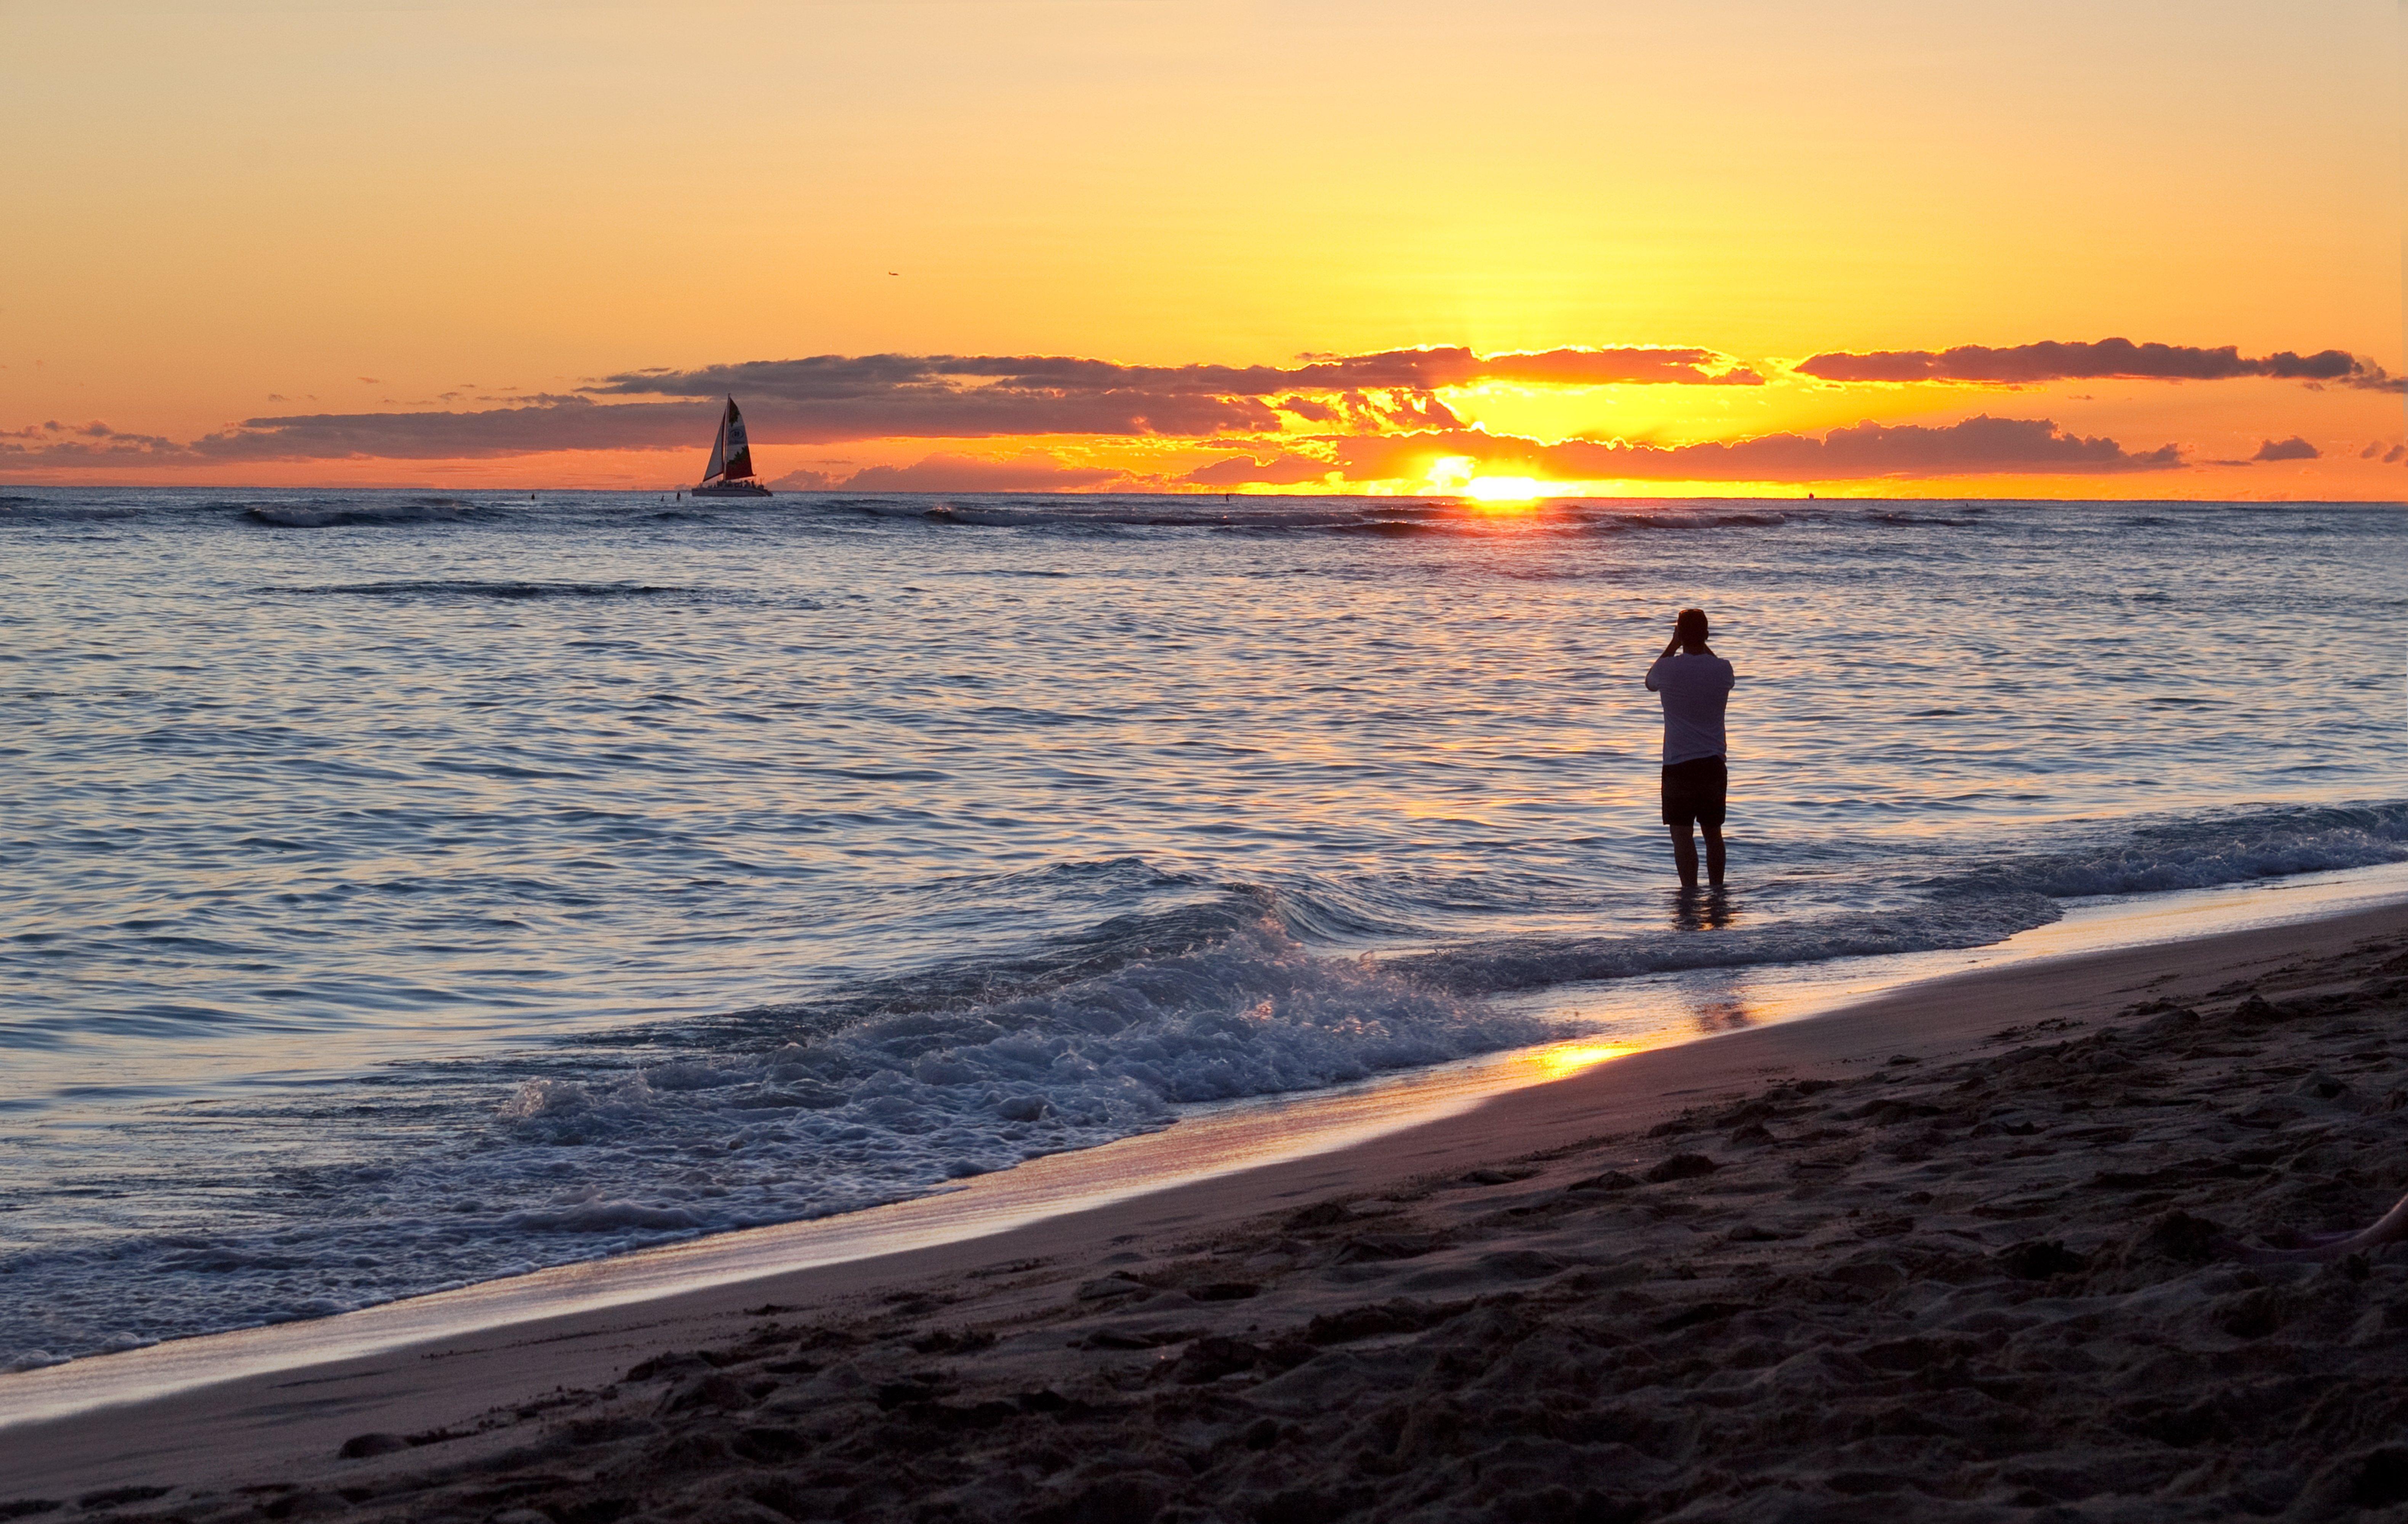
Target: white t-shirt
[{"x": 1694, "y": 689}]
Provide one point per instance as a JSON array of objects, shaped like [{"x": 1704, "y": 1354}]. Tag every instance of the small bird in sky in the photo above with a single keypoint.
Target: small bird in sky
[{"x": 894, "y": 272}]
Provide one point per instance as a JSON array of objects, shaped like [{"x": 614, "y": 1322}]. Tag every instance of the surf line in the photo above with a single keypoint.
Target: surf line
[{"x": 1207, "y": 1143}]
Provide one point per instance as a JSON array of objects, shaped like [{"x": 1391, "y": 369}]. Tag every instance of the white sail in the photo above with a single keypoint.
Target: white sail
[{"x": 719, "y": 446}]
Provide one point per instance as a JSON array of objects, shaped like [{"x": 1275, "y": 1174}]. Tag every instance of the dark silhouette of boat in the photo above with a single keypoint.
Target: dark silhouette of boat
[{"x": 730, "y": 474}]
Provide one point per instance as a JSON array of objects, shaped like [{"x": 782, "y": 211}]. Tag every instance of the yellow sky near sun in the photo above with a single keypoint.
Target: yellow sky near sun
[{"x": 354, "y": 209}]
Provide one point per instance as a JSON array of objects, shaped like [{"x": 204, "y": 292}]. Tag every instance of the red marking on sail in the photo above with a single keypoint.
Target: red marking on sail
[{"x": 739, "y": 448}]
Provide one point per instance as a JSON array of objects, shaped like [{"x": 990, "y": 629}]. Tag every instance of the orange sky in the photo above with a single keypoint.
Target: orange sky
[{"x": 433, "y": 236}]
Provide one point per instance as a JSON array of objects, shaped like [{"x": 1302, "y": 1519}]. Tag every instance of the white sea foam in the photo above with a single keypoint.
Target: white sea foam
[
  {"x": 924, "y": 1095},
  {"x": 925, "y": 1085},
  {"x": 890, "y": 1107}
]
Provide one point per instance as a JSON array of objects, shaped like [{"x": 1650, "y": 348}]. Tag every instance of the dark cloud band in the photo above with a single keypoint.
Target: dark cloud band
[
  {"x": 829, "y": 398},
  {"x": 1333, "y": 418},
  {"x": 2108, "y": 359}
]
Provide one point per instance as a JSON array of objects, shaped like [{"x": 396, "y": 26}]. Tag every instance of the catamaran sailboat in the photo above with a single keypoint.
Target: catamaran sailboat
[{"x": 731, "y": 461}]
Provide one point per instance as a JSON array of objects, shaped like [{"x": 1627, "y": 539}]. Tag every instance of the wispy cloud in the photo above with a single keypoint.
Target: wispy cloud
[{"x": 2109, "y": 359}]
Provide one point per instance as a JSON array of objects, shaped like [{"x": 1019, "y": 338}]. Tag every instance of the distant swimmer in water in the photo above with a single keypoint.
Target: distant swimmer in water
[{"x": 1694, "y": 684}]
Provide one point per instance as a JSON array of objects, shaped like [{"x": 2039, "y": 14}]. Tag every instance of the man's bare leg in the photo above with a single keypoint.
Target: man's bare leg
[
  {"x": 1713, "y": 857},
  {"x": 1684, "y": 856}
]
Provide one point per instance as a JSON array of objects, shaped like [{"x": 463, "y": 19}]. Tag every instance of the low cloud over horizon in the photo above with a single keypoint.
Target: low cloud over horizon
[
  {"x": 836, "y": 396},
  {"x": 2109, "y": 359},
  {"x": 1334, "y": 421},
  {"x": 1981, "y": 445}
]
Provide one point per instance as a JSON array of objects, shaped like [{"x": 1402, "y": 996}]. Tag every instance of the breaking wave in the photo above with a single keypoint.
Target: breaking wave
[
  {"x": 586, "y": 1160},
  {"x": 348, "y": 514},
  {"x": 1098, "y": 1032}
]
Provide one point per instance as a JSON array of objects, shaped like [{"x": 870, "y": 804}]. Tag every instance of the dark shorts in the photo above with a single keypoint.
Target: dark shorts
[{"x": 1693, "y": 792}]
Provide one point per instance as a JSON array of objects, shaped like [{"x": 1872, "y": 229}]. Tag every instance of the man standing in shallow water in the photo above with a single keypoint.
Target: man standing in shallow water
[{"x": 1694, "y": 684}]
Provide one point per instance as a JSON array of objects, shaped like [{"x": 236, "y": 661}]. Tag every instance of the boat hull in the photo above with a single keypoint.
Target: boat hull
[{"x": 730, "y": 489}]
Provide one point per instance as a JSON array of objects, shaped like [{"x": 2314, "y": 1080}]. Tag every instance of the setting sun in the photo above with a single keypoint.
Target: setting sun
[{"x": 1505, "y": 489}]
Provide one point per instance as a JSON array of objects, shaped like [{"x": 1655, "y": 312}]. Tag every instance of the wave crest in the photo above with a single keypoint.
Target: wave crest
[{"x": 341, "y": 514}]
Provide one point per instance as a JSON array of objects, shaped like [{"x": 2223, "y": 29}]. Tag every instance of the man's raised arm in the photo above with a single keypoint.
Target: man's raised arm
[{"x": 1670, "y": 646}]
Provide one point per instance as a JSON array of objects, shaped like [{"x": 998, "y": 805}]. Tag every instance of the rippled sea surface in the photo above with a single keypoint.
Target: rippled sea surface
[{"x": 407, "y": 890}]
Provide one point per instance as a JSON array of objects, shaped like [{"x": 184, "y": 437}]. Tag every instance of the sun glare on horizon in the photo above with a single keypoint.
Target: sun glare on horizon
[{"x": 1506, "y": 491}]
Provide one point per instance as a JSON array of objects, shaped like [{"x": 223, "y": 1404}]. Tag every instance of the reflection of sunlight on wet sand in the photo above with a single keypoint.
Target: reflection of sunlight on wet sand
[
  {"x": 1631, "y": 1016},
  {"x": 1557, "y": 1060},
  {"x": 1208, "y": 1141},
  {"x": 1654, "y": 1010},
  {"x": 1239, "y": 1134}
]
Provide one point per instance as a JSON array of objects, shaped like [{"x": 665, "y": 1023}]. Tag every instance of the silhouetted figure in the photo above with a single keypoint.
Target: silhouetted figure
[{"x": 1694, "y": 684}]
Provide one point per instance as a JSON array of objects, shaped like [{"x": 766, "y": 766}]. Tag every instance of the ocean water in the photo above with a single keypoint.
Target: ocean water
[{"x": 409, "y": 891}]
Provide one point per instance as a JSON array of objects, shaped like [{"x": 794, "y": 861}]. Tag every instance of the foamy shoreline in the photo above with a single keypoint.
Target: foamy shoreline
[
  {"x": 1461, "y": 1198},
  {"x": 1206, "y": 1142}
]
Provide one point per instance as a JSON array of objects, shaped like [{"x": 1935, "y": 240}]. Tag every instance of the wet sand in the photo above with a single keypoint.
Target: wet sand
[{"x": 1962, "y": 1252}]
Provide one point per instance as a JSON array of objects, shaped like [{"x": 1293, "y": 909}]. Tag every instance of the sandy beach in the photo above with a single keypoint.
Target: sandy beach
[{"x": 1970, "y": 1251}]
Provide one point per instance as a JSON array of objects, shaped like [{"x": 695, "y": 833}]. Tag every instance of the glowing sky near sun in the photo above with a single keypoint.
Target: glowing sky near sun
[{"x": 974, "y": 243}]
